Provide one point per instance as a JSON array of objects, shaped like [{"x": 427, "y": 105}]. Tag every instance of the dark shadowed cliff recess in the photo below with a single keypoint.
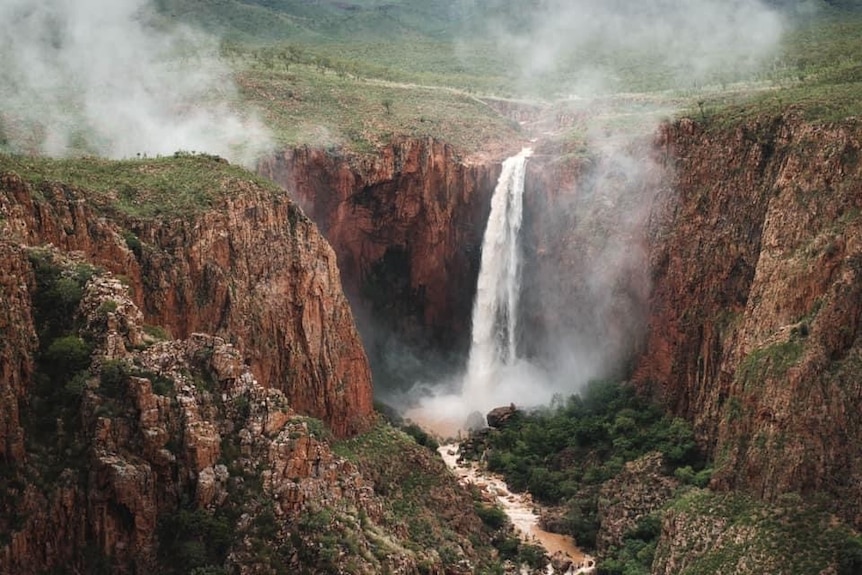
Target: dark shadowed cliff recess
[
  {"x": 757, "y": 299},
  {"x": 407, "y": 226}
]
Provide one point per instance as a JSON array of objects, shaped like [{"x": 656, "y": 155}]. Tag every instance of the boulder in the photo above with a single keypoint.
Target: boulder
[{"x": 500, "y": 416}]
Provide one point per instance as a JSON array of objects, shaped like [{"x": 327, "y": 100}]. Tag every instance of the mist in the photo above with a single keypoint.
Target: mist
[
  {"x": 591, "y": 47},
  {"x": 585, "y": 283},
  {"x": 112, "y": 78}
]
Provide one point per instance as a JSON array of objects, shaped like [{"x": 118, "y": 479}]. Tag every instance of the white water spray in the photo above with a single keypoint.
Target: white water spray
[
  {"x": 495, "y": 310},
  {"x": 495, "y": 375}
]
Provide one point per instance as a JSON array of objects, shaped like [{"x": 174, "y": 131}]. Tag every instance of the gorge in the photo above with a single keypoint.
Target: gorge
[
  {"x": 776, "y": 218},
  {"x": 209, "y": 370},
  {"x": 749, "y": 330}
]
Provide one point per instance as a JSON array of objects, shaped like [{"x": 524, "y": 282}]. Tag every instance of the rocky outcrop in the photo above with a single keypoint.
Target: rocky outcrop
[
  {"x": 756, "y": 308},
  {"x": 706, "y": 532},
  {"x": 250, "y": 268},
  {"x": 642, "y": 488},
  {"x": 500, "y": 416},
  {"x": 167, "y": 455},
  {"x": 407, "y": 226}
]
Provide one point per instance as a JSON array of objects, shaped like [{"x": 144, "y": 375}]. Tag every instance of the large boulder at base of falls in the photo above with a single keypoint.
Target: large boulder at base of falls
[{"x": 500, "y": 416}]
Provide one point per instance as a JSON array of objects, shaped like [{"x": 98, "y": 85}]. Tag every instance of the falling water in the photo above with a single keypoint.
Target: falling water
[{"x": 495, "y": 310}]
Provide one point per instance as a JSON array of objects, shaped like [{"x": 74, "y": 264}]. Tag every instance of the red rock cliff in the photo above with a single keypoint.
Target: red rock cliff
[
  {"x": 755, "y": 314},
  {"x": 406, "y": 224},
  {"x": 251, "y": 268}
]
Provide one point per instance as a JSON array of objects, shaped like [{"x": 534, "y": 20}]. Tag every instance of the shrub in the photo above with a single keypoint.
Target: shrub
[
  {"x": 157, "y": 332},
  {"x": 133, "y": 243},
  {"x": 491, "y": 515},
  {"x": 532, "y": 555},
  {"x": 850, "y": 555},
  {"x": 65, "y": 356},
  {"x": 194, "y": 539},
  {"x": 113, "y": 378},
  {"x": 420, "y": 436},
  {"x": 107, "y": 306}
]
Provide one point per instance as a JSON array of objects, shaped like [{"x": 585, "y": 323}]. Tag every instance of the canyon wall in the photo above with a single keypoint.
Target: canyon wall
[
  {"x": 716, "y": 261},
  {"x": 407, "y": 226},
  {"x": 756, "y": 305},
  {"x": 133, "y": 441},
  {"x": 251, "y": 268}
]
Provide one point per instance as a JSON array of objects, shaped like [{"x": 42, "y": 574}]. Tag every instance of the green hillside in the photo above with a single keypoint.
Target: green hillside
[{"x": 320, "y": 21}]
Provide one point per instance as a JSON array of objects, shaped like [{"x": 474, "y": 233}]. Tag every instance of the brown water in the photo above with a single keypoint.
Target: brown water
[{"x": 518, "y": 507}]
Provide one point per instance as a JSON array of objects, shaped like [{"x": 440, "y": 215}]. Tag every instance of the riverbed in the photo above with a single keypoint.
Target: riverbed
[{"x": 520, "y": 509}]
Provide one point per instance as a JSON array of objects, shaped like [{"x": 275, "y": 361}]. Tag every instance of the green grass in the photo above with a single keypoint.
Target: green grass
[
  {"x": 357, "y": 73},
  {"x": 168, "y": 186},
  {"x": 355, "y": 92},
  {"x": 817, "y": 77},
  {"x": 772, "y": 361},
  {"x": 317, "y": 106},
  {"x": 320, "y": 21}
]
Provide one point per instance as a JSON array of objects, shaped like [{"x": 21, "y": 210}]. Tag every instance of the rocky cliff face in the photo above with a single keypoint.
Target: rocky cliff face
[
  {"x": 755, "y": 314},
  {"x": 641, "y": 489},
  {"x": 407, "y": 226},
  {"x": 18, "y": 345},
  {"x": 252, "y": 269},
  {"x": 130, "y": 446}
]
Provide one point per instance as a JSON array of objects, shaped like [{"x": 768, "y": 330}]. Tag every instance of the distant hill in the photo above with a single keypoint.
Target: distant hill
[
  {"x": 322, "y": 20},
  {"x": 327, "y": 21}
]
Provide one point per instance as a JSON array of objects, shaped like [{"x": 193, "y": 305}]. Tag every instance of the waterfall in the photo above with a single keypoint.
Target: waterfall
[{"x": 495, "y": 309}]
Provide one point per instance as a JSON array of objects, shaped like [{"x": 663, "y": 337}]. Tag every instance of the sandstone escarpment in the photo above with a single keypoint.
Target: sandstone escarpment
[
  {"x": 407, "y": 226},
  {"x": 148, "y": 431},
  {"x": 249, "y": 267},
  {"x": 755, "y": 316},
  {"x": 132, "y": 451}
]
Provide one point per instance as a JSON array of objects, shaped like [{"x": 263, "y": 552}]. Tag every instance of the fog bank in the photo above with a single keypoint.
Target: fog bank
[{"x": 109, "y": 77}]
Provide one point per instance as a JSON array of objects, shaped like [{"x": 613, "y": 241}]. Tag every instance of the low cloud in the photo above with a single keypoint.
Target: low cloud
[
  {"x": 595, "y": 46},
  {"x": 109, "y": 77}
]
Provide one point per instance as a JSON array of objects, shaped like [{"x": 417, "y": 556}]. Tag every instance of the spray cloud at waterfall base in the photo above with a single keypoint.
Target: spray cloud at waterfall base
[{"x": 561, "y": 301}]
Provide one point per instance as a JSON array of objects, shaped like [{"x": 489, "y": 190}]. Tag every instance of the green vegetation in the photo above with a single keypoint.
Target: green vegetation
[
  {"x": 561, "y": 455},
  {"x": 421, "y": 500},
  {"x": 59, "y": 289},
  {"x": 356, "y": 74},
  {"x": 636, "y": 554},
  {"x": 157, "y": 332},
  {"x": 772, "y": 361},
  {"x": 62, "y": 365},
  {"x": 420, "y": 436},
  {"x": 195, "y": 540},
  {"x": 789, "y": 536},
  {"x": 133, "y": 243},
  {"x": 818, "y": 77},
  {"x": 113, "y": 379},
  {"x": 321, "y": 107},
  {"x": 173, "y": 187}
]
